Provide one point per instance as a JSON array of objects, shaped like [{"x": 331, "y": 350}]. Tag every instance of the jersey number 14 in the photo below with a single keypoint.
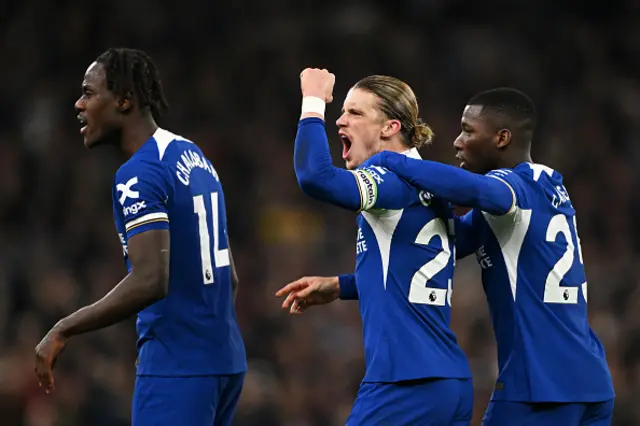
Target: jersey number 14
[{"x": 220, "y": 257}]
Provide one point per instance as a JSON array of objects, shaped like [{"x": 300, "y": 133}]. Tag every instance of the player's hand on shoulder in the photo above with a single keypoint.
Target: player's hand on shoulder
[
  {"x": 309, "y": 291},
  {"x": 318, "y": 83}
]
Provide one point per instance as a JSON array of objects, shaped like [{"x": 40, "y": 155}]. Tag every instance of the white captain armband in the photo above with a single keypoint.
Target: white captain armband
[{"x": 368, "y": 189}]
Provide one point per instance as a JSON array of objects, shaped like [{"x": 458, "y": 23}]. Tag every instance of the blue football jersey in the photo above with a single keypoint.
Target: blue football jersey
[
  {"x": 404, "y": 275},
  {"x": 169, "y": 184},
  {"x": 535, "y": 283}
]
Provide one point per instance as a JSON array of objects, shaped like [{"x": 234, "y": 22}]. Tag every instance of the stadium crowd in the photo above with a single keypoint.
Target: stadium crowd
[{"x": 230, "y": 70}]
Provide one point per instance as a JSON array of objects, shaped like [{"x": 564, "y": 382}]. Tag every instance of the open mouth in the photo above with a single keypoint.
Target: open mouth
[
  {"x": 346, "y": 145},
  {"x": 83, "y": 123}
]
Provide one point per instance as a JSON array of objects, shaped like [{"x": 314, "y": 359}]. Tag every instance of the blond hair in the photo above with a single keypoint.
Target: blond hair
[{"x": 398, "y": 102}]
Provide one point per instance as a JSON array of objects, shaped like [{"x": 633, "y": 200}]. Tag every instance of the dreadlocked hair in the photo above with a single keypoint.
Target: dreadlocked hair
[{"x": 132, "y": 73}]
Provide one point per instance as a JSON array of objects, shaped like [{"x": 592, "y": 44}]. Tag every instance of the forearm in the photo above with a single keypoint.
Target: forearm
[
  {"x": 348, "y": 288},
  {"x": 317, "y": 176},
  {"x": 134, "y": 293},
  {"x": 454, "y": 184}
]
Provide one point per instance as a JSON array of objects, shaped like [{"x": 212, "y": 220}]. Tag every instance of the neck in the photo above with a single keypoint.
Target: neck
[
  {"x": 395, "y": 145},
  {"x": 512, "y": 159},
  {"x": 136, "y": 134}
]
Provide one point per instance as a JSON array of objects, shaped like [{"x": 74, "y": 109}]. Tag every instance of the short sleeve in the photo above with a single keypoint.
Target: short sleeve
[
  {"x": 382, "y": 189},
  {"x": 141, "y": 192}
]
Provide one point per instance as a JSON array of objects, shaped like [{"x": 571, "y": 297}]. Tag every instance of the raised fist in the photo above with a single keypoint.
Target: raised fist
[{"x": 317, "y": 82}]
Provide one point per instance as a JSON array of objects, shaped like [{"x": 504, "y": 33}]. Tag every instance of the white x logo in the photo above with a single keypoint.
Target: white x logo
[{"x": 126, "y": 190}]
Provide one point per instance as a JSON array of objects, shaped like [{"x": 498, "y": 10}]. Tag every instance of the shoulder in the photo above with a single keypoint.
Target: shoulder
[
  {"x": 164, "y": 144},
  {"x": 141, "y": 167},
  {"x": 536, "y": 173},
  {"x": 141, "y": 174}
]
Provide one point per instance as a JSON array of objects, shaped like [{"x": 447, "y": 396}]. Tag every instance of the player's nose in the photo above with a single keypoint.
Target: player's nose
[
  {"x": 79, "y": 105},
  {"x": 341, "y": 121},
  {"x": 458, "y": 144}
]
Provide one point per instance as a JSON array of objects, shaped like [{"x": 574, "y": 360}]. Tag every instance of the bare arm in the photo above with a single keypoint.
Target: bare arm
[{"x": 147, "y": 283}]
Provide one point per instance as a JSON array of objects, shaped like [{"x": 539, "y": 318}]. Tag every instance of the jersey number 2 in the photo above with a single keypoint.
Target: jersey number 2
[
  {"x": 420, "y": 292},
  {"x": 553, "y": 291},
  {"x": 221, "y": 257}
]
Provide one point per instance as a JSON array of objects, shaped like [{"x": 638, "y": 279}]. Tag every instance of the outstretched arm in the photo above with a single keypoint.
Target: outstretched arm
[{"x": 488, "y": 193}]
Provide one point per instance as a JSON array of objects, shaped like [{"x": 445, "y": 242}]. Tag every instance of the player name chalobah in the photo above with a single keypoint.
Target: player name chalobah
[{"x": 190, "y": 160}]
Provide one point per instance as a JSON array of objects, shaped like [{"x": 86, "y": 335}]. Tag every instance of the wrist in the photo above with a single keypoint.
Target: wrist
[
  {"x": 335, "y": 285},
  {"x": 347, "y": 287},
  {"x": 61, "y": 329},
  {"x": 312, "y": 106}
]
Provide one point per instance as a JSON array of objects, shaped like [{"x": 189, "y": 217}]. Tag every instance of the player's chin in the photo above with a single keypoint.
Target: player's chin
[
  {"x": 92, "y": 140},
  {"x": 353, "y": 162},
  {"x": 471, "y": 167},
  {"x": 350, "y": 165}
]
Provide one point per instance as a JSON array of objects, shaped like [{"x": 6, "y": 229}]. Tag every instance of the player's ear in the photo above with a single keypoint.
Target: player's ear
[
  {"x": 125, "y": 103},
  {"x": 390, "y": 128},
  {"x": 503, "y": 138}
]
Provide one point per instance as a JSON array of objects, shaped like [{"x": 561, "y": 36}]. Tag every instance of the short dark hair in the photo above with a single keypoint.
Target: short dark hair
[
  {"x": 131, "y": 72},
  {"x": 509, "y": 103}
]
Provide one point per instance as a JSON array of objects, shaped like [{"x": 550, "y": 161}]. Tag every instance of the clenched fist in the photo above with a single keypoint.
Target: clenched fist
[{"x": 318, "y": 83}]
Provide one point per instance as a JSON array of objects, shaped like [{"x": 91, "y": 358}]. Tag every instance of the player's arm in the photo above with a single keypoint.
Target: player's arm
[
  {"x": 147, "y": 283},
  {"x": 356, "y": 190},
  {"x": 313, "y": 291},
  {"x": 317, "y": 177},
  {"x": 142, "y": 195},
  {"x": 488, "y": 193},
  {"x": 465, "y": 235},
  {"x": 348, "y": 288}
]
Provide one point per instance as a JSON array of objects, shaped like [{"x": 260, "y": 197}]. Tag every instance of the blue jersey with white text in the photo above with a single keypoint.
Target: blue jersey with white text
[
  {"x": 169, "y": 184},
  {"x": 404, "y": 275},
  {"x": 535, "y": 283}
]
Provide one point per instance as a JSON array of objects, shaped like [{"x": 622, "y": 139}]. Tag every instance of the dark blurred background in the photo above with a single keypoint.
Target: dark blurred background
[{"x": 231, "y": 71}]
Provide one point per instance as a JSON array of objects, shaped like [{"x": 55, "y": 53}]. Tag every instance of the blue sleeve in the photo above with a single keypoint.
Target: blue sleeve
[
  {"x": 348, "y": 288},
  {"x": 488, "y": 193},
  {"x": 141, "y": 192},
  {"x": 362, "y": 189},
  {"x": 465, "y": 235}
]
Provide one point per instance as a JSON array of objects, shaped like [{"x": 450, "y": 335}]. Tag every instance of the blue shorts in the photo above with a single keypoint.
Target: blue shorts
[
  {"x": 508, "y": 413},
  {"x": 429, "y": 402},
  {"x": 197, "y": 401}
]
